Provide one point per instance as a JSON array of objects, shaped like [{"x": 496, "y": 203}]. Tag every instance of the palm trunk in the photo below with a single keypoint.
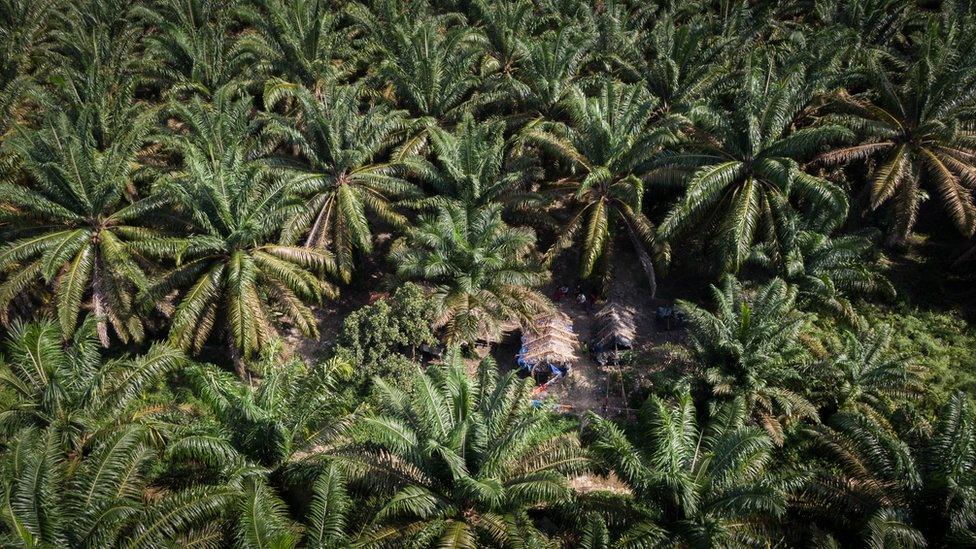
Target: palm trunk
[
  {"x": 98, "y": 306},
  {"x": 315, "y": 228},
  {"x": 235, "y": 356},
  {"x": 314, "y": 231},
  {"x": 896, "y": 240},
  {"x": 645, "y": 259}
]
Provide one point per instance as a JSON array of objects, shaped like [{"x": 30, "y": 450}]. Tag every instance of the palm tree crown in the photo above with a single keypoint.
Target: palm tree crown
[
  {"x": 464, "y": 457},
  {"x": 343, "y": 176},
  {"x": 705, "y": 486},
  {"x": 227, "y": 269},
  {"x": 77, "y": 223},
  {"x": 750, "y": 347},
  {"x": 610, "y": 143},
  {"x": 474, "y": 166},
  {"x": 918, "y": 131},
  {"x": 743, "y": 175},
  {"x": 483, "y": 270},
  {"x": 299, "y": 41}
]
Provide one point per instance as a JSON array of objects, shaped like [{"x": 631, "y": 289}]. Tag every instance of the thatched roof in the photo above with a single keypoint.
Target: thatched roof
[
  {"x": 549, "y": 339},
  {"x": 614, "y": 323}
]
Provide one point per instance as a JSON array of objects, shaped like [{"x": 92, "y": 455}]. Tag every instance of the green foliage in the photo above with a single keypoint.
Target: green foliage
[
  {"x": 484, "y": 271},
  {"x": 68, "y": 389},
  {"x": 703, "y": 486},
  {"x": 750, "y": 349},
  {"x": 941, "y": 343},
  {"x": 382, "y": 339},
  {"x": 742, "y": 179},
  {"x": 76, "y": 224},
  {"x": 229, "y": 270},
  {"x": 870, "y": 376},
  {"x": 191, "y": 51},
  {"x": 431, "y": 67},
  {"x": 343, "y": 177},
  {"x": 299, "y": 41},
  {"x": 918, "y": 129},
  {"x": 287, "y": 412},
  {"x": 829, "y": 271},
  {"x": 463, "y": 458},
  {"x": 473, "y": 167},
  {"x": 608, "y": 142},
  {"x": 881, "y": 482},
  {"x": 207, "y": 171}
]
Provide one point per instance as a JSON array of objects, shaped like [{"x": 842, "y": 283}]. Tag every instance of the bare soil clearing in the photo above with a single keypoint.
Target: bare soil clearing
[{"x": 590, "y": 387}]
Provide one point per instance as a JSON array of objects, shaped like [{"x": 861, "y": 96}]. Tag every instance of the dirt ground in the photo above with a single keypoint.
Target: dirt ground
[
  {"x": 330, "y": 314},
  {"x": 329, "y": 317},
  {"x": 590, "y": 387}
]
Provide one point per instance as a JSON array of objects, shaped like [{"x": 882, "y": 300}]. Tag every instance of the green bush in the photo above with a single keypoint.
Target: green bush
[
  {"x": 943, "y": 343},
  {"x": 383, "y": 338}
]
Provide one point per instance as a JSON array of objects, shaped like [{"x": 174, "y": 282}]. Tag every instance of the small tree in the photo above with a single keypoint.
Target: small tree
[{"x": 387, "y": 333}]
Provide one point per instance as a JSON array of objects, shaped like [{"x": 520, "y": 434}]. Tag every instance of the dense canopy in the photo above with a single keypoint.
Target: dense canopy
[{"x": 265, "y": 266}]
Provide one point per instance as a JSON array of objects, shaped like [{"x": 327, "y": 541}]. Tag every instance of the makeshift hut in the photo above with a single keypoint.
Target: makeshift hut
[
  {"x": 548, "y": 346},
  {"x": 613, "y": 331}
]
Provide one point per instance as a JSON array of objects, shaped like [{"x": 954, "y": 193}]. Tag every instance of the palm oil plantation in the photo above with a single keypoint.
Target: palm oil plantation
[{"x": 269, "y": 271}]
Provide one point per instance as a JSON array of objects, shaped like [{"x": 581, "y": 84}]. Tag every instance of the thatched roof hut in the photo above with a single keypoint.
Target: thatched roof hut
[
  {"x": 614, "y": 328},
  {"x": 549, "y": 340}
]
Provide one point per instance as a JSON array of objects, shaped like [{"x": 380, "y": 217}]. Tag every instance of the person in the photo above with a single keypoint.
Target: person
[{"x": 583, "y": 301}]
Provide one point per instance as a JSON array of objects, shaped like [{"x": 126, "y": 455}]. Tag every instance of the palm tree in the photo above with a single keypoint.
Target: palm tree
[
  {"x": 829, "y": 271},
  {"x": 282, "y": 423},
  {"x": 867, "y": 491},
  {"x": 431, "y": 69},
  {"x": 539, "y": 82},
  {"x": 483, "y": 270},
  {"x": 709, "y": 486},
  {"x": 620, "y": 35},
  {"x": 473, "y": 165},
  {"x": 750, "y": 348},
  {"x": 191, "y": 51},
  {"x": 69, "y": 390},
  {"x": 89, "y": 462},
  {"x": 26, "y": 48},
  {"x": 280, "y": 419},
  {"x": 508, "y": 26},
  {"x": 869, "y": 31},
  {"x": 947, "y": 463},
  {"x": 916, "y": 131},
  {"x": 105, "y": 498},
  {"x": 76, "y": 222},
  {"x": 742, "y": 180},
  {"x": 229, "y": 272},
  {"x": 263, "y": 518},
  {"x": 342, "y": 174},
  {"x": 609, "y": 143},
  {"x": 299, "y": 41},
  {"x": 870, "y": 377},
  {"x": 89, "y": 64},
  {"x": 95, "y": 69},
  {"x": 330, "y": 511},
  {"x": 80, "y": 466},
  {"x": 690, "y": 64},
  {"x": 462, "y": 458}
]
